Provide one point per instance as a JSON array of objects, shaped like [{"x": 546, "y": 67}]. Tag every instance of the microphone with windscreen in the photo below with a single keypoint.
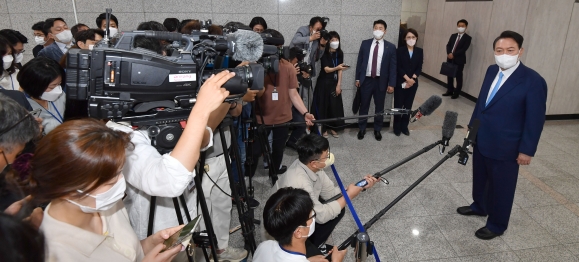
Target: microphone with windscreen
[
  {"x": 243, "y": 45},
  {"x": 426, "y": 108},
  {"x": 448, "y": 126}
]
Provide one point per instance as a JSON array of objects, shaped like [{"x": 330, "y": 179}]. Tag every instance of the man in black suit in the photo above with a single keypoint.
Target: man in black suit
[
  {"x": 456, "y": 54},
  {"x": 375, "y": 76}
]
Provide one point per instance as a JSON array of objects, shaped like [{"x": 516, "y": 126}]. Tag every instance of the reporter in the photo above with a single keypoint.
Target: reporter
[
  {"x": 290, "y": 218},
  {"x": 148, "y": 173},
  {"x": 258, "y": 24},
  {"x": 17, "y": 40},
  {"x": 78, "y": 168},
  {"x": 41, "y": 80},
  {"x": 8, "y": 79},
  {"x": 40, "y": 38}
]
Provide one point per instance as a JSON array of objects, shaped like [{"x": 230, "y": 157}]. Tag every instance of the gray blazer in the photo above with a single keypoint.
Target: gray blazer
[{"x": 302, "y": 40}]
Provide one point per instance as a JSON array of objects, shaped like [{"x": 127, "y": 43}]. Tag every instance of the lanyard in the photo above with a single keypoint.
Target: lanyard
[
  {"x": 292, "y": 252},
  {"x": 59, "y": 118},
  {"x": 11, "y": 81}
]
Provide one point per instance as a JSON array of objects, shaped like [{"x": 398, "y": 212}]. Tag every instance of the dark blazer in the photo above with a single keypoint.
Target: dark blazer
[
  {"x": 52, "y": 51},
  {"x": 460, "y": 51},
  {"x": 513, "y": 121},
  {"x": 18, "y": 97},
  {"x": 387, "y": 68},
  {"x": 409, "y": 66}
]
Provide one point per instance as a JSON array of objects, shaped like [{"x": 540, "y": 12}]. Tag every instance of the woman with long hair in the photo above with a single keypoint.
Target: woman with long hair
[{"x": 328, "y": 93}]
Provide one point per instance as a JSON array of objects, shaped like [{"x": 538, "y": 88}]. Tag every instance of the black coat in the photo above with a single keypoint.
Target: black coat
[
  {"x": 460, "y": 51},
  {"x": 406, "y": 65}
]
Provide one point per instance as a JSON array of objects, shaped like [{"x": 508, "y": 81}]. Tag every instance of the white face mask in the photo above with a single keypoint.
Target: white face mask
[
  {"x": 378, "y": 34},
  {"x": 39, "y": 40},
  {"x": 113, "y": 31},
  {"x": 312, "y": 227},
  {"x": 106, "y": 200},
  {"x": 52, "y": 95},
  {"x": 329, "y": 161},
  {"x": 90, "y": 47},
  {"x": 507, "y": 61},
  {"x": 411, "y": 42},
  {"x": 461, "y": 29},
  {"x": 335, "y": 45},
  {"x": 64, "y": 37},
  {"x": 19, "y": 58},
  {"x": 7, "y": 59}
]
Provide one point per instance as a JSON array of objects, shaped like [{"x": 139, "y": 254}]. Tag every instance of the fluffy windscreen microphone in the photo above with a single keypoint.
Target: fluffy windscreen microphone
[
  {"x": 448, "y": 126},
  {"x": 245, "y": 45},
  {"x": 431, "y": 104}
]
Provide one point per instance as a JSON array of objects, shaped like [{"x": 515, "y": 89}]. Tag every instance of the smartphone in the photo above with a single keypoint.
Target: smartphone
[
  {"x": 36, "y": 112},
  {"x": 345, "y": 65},
  {"x": 183, "y": 234}
]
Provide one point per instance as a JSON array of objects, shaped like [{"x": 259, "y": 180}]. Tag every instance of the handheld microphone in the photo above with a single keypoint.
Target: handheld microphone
[
  {"x": 426, "y": 108},
  {"x": 245, "y": 45},
  {"x": 448, "y": 127},
  {"x": 468, "y": 141}
]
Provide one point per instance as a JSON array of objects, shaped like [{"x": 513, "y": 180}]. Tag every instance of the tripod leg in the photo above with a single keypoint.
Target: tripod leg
[{"x": 204, "y": 210}]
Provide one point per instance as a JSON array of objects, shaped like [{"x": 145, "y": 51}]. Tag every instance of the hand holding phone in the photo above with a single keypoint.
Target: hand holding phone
[{"x": 181, "y": 235}]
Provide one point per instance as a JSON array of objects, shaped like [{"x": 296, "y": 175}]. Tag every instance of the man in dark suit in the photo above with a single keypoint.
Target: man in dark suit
[
  {"x": 511, "y": 109},
  {"x": 375, "y": 75},
  {"x": 57, "y": 30},
  {"x": 456, "y": 54}
]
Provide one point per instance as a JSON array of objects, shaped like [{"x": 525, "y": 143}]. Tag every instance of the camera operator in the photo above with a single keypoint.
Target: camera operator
[
  {"x": 217, "y": 192},
  {"x": 148, "y": 173},
  {"x": 309, "y": 38},
  {"x": 274, "y": 107},
  {"x": 258, "y": 24}
]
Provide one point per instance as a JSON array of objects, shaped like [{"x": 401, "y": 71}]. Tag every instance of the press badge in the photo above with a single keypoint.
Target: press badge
[{"x": 274, "y": 95}]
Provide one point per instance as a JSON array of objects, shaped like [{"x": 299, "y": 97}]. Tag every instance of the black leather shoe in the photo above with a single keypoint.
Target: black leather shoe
[
  {"x": 361, "y": 134},
  {"x": 397, "y": 133},
  {"x": 447, "y": 94},
  {"x": 455, "y": 96},
  {"x": 377, "y": 135},
  {"x": 282, "y": 170},
  {"x": 406, "y": 132},
  {"x": 485, "y": 234},
  {"x": 467, "y": 211}
]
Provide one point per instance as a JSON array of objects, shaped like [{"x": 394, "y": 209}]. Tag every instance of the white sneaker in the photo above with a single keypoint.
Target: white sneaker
[{"x": 232, "y": 254}]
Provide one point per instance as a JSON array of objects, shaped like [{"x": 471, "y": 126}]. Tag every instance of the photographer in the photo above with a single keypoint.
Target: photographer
[
  {"x": 274, "y": 107},
  {"x": 148, "y": 173},
  {"x": 309, "y": 38}
]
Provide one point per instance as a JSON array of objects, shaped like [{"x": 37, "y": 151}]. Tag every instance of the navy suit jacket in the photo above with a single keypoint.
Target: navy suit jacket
[
  {"x": 409, "y": 65},
  {"x": 460, "y": 51},
  {"x": 387, "y": 68},
  {"x": 513, "y": 120},
  {"x": 52, "y": 51}
]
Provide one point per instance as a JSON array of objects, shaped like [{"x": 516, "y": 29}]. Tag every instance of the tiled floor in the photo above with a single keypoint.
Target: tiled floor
[{"x": 544, "y": 224}]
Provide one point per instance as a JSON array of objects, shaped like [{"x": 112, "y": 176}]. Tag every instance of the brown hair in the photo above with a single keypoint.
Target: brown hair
[
  {"x": 412, "y": 31},
  {"x": 79, "y": 154},
  {"x": 215, "y": 30},
  {"x": 189, "y": 27}
]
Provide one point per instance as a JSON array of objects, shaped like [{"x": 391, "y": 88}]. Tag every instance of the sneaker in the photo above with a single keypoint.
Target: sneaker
[{"x": 232, "y": 254}]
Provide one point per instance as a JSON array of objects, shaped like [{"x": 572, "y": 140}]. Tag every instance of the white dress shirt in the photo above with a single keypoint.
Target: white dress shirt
[
  {"x": 271, "y": 251},
  {"x": 380, "y": 52},
  {"x": 63, "y": 47},
  {"x": 53, "y": 116},
  {"x": 506, "y": 74},
  {"x": 148, "y": 173},
  {"x": 8, "y": 81}
]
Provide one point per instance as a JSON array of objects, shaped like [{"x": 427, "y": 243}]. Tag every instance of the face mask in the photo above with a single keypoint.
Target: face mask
[
  {"x": 411, "y": 42},
  {"x": 106, "y": 200},
  {"x": 335, "y": 45},
  {"x": 329, "y": 161},
  {"x": 113, "y": 31},
  {"x": 64, "y": 37},
  {"x": 19, "y": 58},
  {"x": 39, "y": 40},
  {"x": 7, "y": 59},
  {"x": 90, "y": 47},
  {"x": 312, "y": 227},
  {"x": 507, "y": 61},
  {"x": 52, "y": 95},
  {"x": 461, "y": 29},
  {"x": 378, "y": 34}
]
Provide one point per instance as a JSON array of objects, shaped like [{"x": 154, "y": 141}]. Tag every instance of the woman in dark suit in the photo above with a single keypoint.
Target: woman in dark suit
[{"x": 409, "y": 65}]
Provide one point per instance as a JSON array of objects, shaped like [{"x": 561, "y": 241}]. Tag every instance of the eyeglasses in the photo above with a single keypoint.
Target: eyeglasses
[
  {"x": 314, "y": 215},
  {"x": 33, "y": 112},
  {"x": 323, "y": 159},
  {"x": 21, "y": 52}
]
